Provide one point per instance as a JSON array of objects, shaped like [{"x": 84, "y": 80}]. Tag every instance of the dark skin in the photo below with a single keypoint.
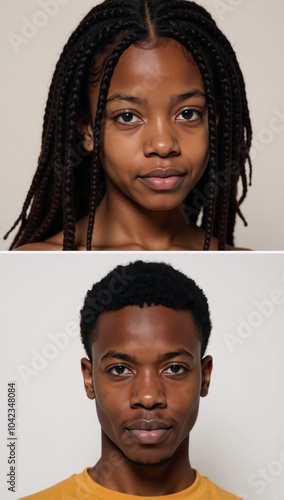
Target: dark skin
[
  {"x": 146, "y": 377},
  {"x": 154, "y": 151}
]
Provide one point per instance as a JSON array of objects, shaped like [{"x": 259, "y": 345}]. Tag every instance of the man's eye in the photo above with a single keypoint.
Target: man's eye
[
  {"x": 175, "y": 370},
  {"x": 127, "y": 117},
  {"x": 189, "y": 115},
  {"x": 119, "y": 370}
]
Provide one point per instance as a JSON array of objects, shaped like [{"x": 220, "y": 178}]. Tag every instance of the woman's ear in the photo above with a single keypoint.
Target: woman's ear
[
  {"x": 206, "y": 367},
  {"x": 85, "y": 131},
  {"x": 86, "y": 367},
  {"x": 218, "y": 107}
]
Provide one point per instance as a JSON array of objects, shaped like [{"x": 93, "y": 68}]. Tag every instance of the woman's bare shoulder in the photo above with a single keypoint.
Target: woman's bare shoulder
[
  {"x": 237, "y": 249},
  {"x": 41, "y": 246},
  {"x": 52, "y": 244},
  {"x": 198, "y": 241}
]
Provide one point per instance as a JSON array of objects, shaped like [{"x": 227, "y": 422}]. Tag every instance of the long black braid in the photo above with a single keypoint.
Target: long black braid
[{"x": 69, "y": 183}]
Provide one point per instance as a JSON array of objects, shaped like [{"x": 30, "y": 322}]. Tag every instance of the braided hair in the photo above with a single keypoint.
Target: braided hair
[{"x": 69, "y": 182}]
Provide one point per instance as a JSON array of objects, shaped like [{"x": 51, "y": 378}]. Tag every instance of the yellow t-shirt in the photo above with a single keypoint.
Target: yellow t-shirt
[{"x": 82, "y": 487}]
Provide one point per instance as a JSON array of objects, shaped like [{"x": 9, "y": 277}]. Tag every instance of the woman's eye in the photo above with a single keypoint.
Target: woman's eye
[
  {"x": 189, "y": 115},
  {"x": 127, "y": 118},
  {"x": 175, "y": 370},
  {"x": 119, "y": 370}
]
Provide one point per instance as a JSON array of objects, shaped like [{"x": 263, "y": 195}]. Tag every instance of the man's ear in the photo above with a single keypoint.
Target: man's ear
[
  {"x": 206, "y": 367},
  {"x": 85, "y": 131},
  {"x": 86, "y": 367}
]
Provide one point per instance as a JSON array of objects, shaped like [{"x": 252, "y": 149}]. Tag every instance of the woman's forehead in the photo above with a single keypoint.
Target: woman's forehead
[{"x": 165, "y": 67}]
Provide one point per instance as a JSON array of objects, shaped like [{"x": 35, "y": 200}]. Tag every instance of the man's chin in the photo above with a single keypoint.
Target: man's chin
[{"x": 150, "y": 461}]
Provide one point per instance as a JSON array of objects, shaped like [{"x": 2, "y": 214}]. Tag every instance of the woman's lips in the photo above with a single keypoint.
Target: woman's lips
[
  {"x": 149, "y": 436},
  {"x": 163, "y": 183}
]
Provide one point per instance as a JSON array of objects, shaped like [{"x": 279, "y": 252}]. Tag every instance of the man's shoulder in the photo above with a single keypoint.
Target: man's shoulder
[
  {"x": 82, "y": 486},
  {"x": 66, "y": 487},
  {"x": 216, "y": 492}
]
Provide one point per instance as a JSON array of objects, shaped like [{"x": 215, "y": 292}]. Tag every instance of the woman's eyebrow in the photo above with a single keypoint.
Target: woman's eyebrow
[
  {"x": 142, "y": 100},
  {"x": 128, "y": 98},
  {"x": 188, "y": 95}
]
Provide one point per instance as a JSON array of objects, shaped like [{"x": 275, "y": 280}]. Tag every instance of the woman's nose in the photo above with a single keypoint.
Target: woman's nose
[{"x": 161, "y": 140}]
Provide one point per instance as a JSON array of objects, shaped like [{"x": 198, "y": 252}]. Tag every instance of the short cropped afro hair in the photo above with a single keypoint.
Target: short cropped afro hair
[{"x": 144, "y": 283}]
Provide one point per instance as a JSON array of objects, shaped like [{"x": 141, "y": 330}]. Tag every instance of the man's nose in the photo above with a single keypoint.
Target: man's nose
[{"x": 148, "y": 392}]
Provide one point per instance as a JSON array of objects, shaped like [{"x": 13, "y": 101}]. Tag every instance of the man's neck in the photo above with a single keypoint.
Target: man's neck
[{"x": 116, "y": 472}]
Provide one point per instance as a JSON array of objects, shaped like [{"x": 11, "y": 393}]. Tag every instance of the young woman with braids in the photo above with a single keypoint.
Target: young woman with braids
[{"x": 146, "y": 134}]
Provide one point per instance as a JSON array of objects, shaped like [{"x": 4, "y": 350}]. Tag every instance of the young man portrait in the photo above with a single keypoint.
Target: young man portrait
[
  {"x": 145, "y": 337},
  {"x": 147, "y": 427}
]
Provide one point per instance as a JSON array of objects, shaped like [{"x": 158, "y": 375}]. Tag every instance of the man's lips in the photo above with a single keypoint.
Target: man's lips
[
  {"x": 149, "y": 432},
  {"x": 148, "y": 425},
  {"x": 163, "y": 179}
]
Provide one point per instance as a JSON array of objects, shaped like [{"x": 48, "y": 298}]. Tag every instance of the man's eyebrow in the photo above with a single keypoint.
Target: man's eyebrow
[
  {"x": 118, "y": 355},
  {"x": 141, "y": 100},
  {"x": 175, "y": 354},
  {"x": 164, "y": 357}
]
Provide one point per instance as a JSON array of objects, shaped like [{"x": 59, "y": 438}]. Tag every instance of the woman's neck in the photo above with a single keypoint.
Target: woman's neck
[{"x": 123, "y": 223}]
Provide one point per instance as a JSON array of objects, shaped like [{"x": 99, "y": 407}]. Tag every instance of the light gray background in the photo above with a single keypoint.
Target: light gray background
[
  {"x": 240, "y": 425},
  {"x": 255, "y": 28}
]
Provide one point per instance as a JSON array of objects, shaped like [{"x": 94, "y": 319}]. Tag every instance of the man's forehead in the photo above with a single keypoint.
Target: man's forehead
[{"x": 155, "y": 327}]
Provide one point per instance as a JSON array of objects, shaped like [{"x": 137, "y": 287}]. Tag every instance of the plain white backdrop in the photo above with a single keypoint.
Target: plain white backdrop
[
  {"x": 254, "y": 27},
  {"x": 238, "y": 440}
]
